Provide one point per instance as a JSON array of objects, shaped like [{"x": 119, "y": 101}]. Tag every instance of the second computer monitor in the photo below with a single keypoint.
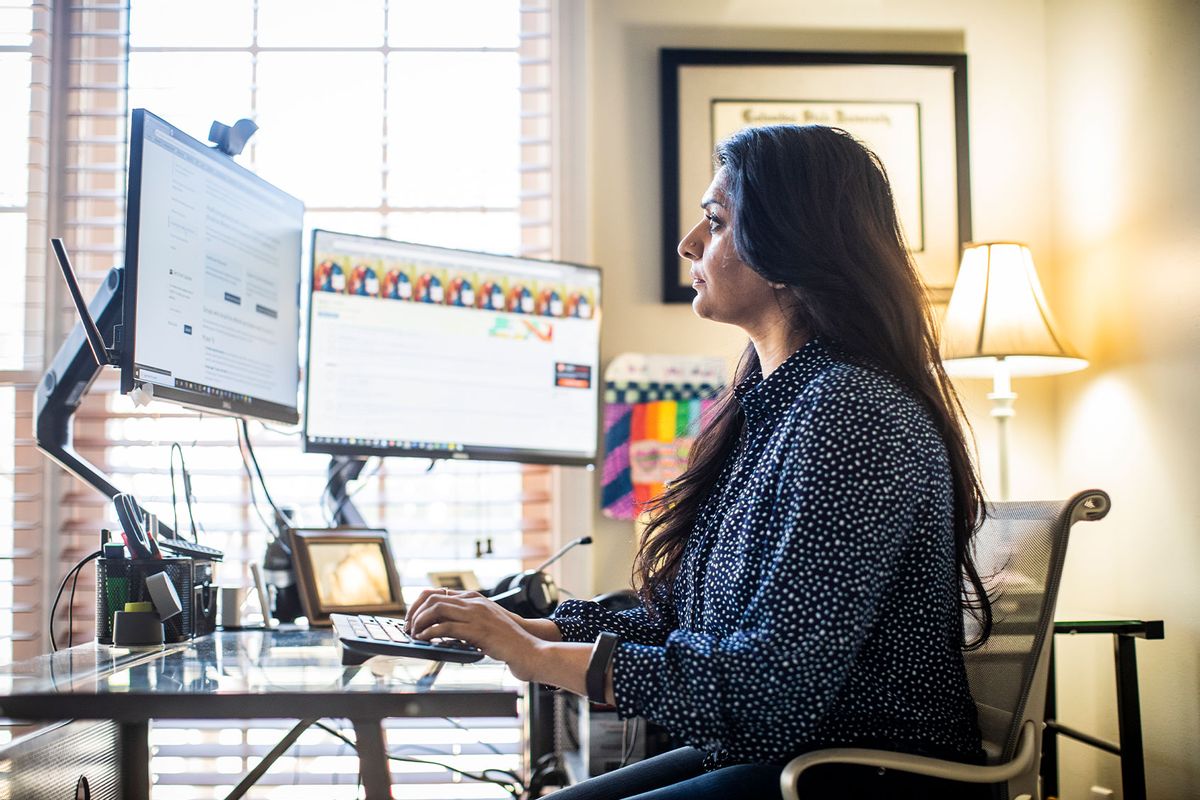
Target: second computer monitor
[{"x": 424, "y": 351}]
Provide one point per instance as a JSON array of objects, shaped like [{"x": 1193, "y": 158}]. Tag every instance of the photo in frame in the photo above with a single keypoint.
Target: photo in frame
[{"x": 910, "y": 108}]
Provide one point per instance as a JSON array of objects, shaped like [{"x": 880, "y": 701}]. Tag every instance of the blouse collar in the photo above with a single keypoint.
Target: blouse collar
[{"x": 763, "y": 400}]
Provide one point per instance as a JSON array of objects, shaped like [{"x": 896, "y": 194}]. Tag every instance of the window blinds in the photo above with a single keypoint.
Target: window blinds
[{"x": 89, "y": 64}]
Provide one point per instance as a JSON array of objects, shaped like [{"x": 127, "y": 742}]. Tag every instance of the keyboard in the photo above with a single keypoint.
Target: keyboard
[{"x": 365, "y": 635}]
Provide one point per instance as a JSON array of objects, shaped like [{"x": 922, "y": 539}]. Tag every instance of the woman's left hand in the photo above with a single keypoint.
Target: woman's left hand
[{"x": 481, "y": 622}]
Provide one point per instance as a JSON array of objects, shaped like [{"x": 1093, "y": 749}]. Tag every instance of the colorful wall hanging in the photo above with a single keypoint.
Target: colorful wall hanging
[{"x": 654, "y": 405}]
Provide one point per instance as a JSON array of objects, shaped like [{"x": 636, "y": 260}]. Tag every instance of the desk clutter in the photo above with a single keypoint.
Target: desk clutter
[{"x": 143, "y": 598}]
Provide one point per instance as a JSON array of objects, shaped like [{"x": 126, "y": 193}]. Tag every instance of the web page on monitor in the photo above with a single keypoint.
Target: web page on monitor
[{"x": 413, "y": 350}]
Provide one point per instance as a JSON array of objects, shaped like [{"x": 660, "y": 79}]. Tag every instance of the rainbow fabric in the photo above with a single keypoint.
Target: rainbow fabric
[{"x": 648, "y": 433}]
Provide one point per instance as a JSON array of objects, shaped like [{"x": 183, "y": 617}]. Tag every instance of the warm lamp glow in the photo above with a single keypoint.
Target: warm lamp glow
[
  {"x": 998, "y": 311},
  {"x": 999, "y": 326}
]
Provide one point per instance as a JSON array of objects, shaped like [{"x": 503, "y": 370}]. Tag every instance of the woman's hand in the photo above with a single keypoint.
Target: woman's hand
[{"x": 478, "y": 620}]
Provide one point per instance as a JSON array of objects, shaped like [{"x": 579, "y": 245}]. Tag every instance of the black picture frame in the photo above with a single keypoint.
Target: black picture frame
[{"x": 928, "y": 90}]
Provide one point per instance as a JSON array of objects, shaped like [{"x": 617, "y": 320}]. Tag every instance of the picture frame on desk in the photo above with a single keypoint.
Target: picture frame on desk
[
  {"x": 345, "y": 571},
  {"x": 910, "y": 108}
]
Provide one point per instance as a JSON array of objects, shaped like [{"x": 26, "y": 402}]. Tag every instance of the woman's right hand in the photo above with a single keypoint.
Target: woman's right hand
[{"x": 543, "y": 629}]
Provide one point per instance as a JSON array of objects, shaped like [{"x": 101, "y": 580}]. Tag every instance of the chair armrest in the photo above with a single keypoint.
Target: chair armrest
[{"x": 1021, "y": 762}]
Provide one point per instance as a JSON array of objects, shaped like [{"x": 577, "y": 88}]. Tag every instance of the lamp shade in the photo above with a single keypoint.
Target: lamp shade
[{"x": 997, "y": 311}]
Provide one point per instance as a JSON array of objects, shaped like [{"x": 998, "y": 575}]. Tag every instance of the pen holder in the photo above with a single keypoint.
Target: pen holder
[{"x": 122, "y": 580}]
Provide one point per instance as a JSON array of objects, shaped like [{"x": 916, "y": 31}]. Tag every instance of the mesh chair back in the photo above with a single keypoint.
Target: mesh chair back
[{"x": 1019, "y": 552}]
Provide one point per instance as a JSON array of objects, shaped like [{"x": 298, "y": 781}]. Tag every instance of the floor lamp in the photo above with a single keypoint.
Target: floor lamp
[{"x": 999, "y": 326}]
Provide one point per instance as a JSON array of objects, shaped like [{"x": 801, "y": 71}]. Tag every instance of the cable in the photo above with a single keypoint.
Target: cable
[
  {"x": 465, "y": 729},
  {"x": 71, "y": 610},
  {"x": 187, "y": 491},
  {"x": 280, "y": 431},
  {"x": 513, "y": 786},
  {"x": 253, "y": 497},
  {"x": 245, "y": 428},
  {"x": 54, "y": 608}
]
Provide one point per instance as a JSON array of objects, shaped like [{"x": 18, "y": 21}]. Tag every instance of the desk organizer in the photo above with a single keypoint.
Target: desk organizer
[{"x": 122, "y": 580}]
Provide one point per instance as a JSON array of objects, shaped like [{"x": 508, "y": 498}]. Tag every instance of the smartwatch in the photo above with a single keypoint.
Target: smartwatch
[{"x": 602, "y": 653}]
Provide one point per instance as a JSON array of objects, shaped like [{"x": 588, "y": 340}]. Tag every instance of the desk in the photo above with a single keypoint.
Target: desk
[{"x": 288, "y": 674}]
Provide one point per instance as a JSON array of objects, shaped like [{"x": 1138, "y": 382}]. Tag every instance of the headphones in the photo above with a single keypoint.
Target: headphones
[{"x": 532, "y": 594}]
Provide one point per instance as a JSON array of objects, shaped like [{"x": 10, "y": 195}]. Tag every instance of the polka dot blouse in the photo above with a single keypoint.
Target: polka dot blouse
[{"x": 816, "y": 603}]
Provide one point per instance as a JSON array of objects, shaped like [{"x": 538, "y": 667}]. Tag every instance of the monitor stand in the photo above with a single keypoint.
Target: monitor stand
[
  {"x": 72, "y": 372},
  {"x": 342, "y": 470},
  {"x": 79, "y": 361}
]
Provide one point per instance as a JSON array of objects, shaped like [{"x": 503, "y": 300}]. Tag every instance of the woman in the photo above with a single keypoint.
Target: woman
[{"x": 803, "y": 581}]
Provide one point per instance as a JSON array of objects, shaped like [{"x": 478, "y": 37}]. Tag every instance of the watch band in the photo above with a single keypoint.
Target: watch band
[{"x": 597, "y": 670}]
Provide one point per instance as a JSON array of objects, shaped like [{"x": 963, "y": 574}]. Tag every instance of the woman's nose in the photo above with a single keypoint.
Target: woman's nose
[{"x": 689, "y": 246}]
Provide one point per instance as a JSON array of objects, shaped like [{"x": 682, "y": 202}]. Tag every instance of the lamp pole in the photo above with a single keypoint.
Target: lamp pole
[{"x": 1002, "y": 397}]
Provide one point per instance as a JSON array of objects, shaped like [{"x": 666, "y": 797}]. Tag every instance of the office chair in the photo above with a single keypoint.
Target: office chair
[{"x": 1019, "y": 552}]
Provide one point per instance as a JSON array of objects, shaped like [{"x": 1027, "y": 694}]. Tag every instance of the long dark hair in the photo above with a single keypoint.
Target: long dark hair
[{"x": 812, "y": 208}]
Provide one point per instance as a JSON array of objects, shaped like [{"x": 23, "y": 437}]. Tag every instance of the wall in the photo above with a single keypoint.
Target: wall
[
  {"x": 619, "y": 42},
  {"x": 1083, "y": 118},
  {"x": 1124, "y": 99}
]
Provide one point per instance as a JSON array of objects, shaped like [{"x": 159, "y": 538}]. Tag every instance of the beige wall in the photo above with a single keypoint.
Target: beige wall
[
  {"x": 1083, "y": 129},
  {"x": 1124, "y": 94},
  {"x": 1005, "y": 43}
]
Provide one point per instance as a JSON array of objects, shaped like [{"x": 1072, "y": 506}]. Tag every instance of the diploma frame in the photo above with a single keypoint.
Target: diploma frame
[{"x": 909, "y": 107}]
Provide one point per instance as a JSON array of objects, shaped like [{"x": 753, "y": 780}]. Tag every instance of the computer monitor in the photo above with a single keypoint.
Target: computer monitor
[
  {"x": 423, "y": 351},
  {"x": 212, "y": 279}
]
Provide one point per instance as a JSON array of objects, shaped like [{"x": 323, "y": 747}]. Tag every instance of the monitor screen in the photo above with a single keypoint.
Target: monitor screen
[
  {"x": 212, "y": 279},
  {"x": 424, "y": 351}
]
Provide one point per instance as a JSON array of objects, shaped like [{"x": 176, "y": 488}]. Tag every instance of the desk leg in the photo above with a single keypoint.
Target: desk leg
[
  {"x": 1049, "y": 770},
  {"x": 1129, "y": 720},
  {"x": 135, "y": 760},
  {"x": 372, "y": 758}
]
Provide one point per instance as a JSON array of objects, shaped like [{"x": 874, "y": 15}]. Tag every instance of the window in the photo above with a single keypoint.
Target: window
[
  {"x": 23, "y": 48},
  {"x": 420, "y": 121}
]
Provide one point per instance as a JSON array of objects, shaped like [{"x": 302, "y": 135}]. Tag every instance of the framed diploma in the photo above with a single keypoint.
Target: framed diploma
[{"x": 910, "y": 109}]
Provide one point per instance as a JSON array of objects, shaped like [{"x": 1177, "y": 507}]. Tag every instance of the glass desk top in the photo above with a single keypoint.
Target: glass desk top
[{"x": 248, "y": 674}]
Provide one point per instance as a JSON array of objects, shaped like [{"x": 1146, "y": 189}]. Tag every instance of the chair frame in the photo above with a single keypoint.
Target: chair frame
[{"x": 1016, "y": 769}]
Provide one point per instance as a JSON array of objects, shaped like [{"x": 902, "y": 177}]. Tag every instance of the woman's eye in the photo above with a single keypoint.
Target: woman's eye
[{"x": 713, "y": 222}]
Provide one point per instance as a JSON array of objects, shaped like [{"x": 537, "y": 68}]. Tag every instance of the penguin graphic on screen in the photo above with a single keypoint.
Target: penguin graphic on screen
[
  {"x": 430, "y": 289},
  {"x": 364, "y": 281},
  {"x": 491, "y": 296},
  {"x": 462, "y": 293},
  {"x": 549, "y": 303},
  {"x": 397, "y": 286},
  {"x": 520, "y": 300},
  {"x": 329, "y": 277},
  {"x": 579, "y": 306}
]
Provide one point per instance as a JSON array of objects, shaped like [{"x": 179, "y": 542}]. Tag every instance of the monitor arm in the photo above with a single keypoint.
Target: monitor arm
[{"x": 71, "y": 374}]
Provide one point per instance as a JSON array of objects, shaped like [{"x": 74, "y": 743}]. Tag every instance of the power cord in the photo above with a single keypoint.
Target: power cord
[
  {"x": 465, "y": 729},
  {"x": 74, "y": 571},
  {"x": 513, "y": 785},
  {"x": 271, "y": 531},
  {"x": 245, "y": 426},
  {"x": 187, "y": 491}
]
